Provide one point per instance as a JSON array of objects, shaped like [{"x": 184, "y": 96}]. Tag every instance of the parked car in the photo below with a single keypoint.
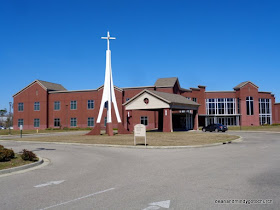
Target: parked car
[
  {"x": 215, "y": 127},
  {"x": 2, "y": 128}
]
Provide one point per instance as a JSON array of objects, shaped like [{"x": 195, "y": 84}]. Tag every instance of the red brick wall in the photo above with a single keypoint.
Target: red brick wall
[
  {"x": 277, "y": 113},
  {"x": 34, "y": 93},
  {"x": 82, "y": 113},
  {"x": 248, "y": 120}
]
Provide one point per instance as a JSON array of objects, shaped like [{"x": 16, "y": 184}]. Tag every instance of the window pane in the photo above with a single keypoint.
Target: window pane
[
  {"x": 90, "y": 122},
  {"x": 90, "y": 104},
  {"x": 36, "y": 123},
  {"x": 252, "y": 107},
  {"x": 20, "y": 106},
  {"x": 36, "y": 106},
  {"x": 73, "y": 122},
  {"x": 20, "y": 122},
  {"x": 57, "y": 122},
  {"x": 57, "y": 105},
  {"x": 73, "y": 105},
  {"x": 144, "y": 120}
]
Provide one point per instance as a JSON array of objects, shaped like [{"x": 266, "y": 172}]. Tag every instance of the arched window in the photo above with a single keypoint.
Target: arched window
[{"x": 250, "y": 105}]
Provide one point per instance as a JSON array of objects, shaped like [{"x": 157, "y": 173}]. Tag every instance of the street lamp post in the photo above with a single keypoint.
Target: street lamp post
[{"x": 10, "y": 103}]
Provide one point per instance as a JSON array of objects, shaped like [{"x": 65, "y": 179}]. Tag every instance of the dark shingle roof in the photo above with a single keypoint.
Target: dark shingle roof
[
  {"x": 243, "y": 84},
  {"x": 51, "y": 86},
  {"x": 173, "y": 98},
  {"x": 48, "y": 86},
  {"x": 168, "y": 82}
]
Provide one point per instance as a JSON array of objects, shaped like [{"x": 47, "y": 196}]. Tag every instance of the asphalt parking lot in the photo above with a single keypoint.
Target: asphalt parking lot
[{"x": 241, "y": 175}]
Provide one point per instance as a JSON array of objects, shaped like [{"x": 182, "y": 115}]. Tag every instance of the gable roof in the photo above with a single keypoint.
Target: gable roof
[
  {"x": 166, "y": 82},
  {"x": 174, "y": 98},
  {"x": 242, "y": 84},
  {"x": 51, "y": 86},
  {"x": 169, "y": 98},
  {"x": 48, "y": 86},
  {"x": 115, "y": 87}
]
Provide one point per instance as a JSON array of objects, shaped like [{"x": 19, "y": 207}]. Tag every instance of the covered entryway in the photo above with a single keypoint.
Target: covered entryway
[
  {"x": 175, "y": 112},
  {"x": 182, "y": 121}
]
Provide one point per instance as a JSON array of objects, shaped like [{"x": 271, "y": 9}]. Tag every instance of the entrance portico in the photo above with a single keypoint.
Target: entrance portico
[{"x": 168, "y": 106}]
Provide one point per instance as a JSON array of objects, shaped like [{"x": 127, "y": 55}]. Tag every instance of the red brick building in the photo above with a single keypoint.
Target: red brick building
[{"x": 164, "y": 105}]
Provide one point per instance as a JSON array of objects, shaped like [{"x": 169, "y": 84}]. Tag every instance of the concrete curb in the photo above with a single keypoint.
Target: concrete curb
[
  {"x": 240, "y": 139},
  {"x": 24, "y": 167},
  {"x": 244, "y": 131}
]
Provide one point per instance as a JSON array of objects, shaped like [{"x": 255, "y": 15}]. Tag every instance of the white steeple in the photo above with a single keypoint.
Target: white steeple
[{"x": 108, "y": 89}]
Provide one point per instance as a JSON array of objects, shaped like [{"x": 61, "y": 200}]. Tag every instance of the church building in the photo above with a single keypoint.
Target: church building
[{"x": 165, "y": 106}]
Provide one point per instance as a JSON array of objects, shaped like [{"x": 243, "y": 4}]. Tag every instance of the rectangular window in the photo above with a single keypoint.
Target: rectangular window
[
  {"x": 210, "y": 106},
  {"x": 20, "y": 107},
  {"x": 105, "y": 121},
  {"x": 265, "y": 111},
  {"x": 106, "y": 105},
  {"x": 90, "y": 104},
  {"x": 73, "y": 122},
  {"x": 57, "y": 105},
  {"x": 73, "y": 105},
  {"x": 90, "y": 122},
  {"x": 220, "y": 106},
  {"x": 250, "y": 105},
  {"x": 238, "y": 105},
  {"x": 20, "y": 122},
  {"x": 144, "y": 120},
  {"x": 56, "y": 122},
  {"x": 194, "y": 99},
  {"x": 230, "y": 106},
  {"x": 36, "y": 123},
  {"x": 36, "y": 106}
]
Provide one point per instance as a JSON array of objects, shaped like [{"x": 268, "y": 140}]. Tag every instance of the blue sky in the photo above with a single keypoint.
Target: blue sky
[{"x": 213, "y": 43}]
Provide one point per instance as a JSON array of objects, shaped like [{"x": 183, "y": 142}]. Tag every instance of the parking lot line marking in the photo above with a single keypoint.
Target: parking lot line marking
[{"x": 76, "y": 199}]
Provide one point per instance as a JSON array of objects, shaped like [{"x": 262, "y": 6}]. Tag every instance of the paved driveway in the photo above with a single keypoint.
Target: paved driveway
[{"x": 88, "y": 177}]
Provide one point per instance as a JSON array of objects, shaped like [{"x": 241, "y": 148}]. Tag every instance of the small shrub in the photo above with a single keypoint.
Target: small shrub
[
  {"x": 52, "y": 129},
  {"x": 1, "y": 146},
  {"x": 74, "y": 129},
  {"x": 28, "y": 155},
  {"x": 6, "y": 154}
]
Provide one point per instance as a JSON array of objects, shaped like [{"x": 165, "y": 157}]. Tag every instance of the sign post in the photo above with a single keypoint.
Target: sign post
[
  {"x": 140, "y": 131},
  {"x": 20, "y": 127}
]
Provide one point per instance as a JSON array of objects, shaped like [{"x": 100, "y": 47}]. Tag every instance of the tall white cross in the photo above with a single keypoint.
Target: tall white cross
[
  {"x": 108, "y": 40},
  {"x": 108, "y": 89}
]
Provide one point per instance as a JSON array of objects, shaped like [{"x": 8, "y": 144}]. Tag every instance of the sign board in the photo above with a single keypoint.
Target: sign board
[
  {"x": 140, "y": 131},
  {"x": 20, "y": 127}
]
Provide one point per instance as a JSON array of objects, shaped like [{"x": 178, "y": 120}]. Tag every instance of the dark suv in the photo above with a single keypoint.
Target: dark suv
[{"x": 215, "y": 127}]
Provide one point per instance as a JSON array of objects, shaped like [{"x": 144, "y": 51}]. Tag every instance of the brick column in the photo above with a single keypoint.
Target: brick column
[
  {"x": 195, "y": 123},
  {"x": 130, "y": 125},
  {"x": 167, "y": 120}
]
